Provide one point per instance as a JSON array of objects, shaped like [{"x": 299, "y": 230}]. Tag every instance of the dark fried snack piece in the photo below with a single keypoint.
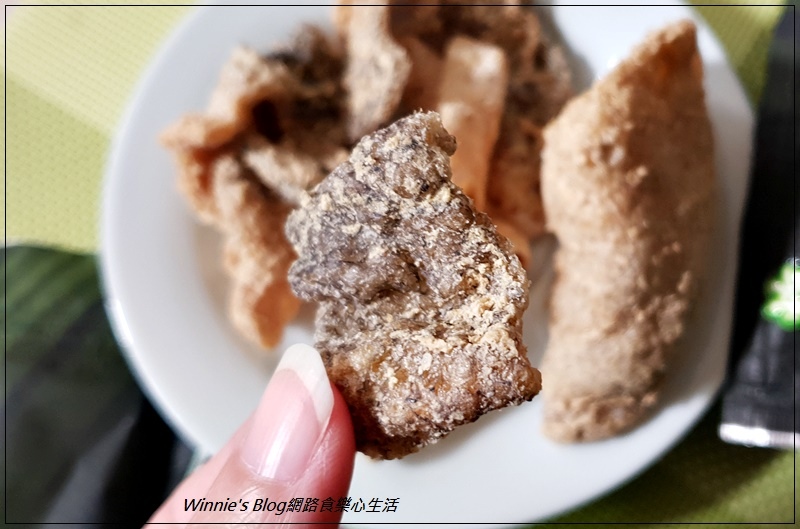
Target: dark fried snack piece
[
  {"x": 422, "y": 89},
  {"x": 628, "y": 182},
  {"x": 415, "y": 17},
  {"x": 419, "y": 323}
]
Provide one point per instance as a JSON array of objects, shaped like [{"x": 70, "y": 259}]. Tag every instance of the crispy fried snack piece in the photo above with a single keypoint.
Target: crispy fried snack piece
[
  {"x": 194, "y": 182},
  {"x": 520, "y": 243},
  {"x": 501, "y": 23},
  {"x": 627, "y": 180},
  {"x": 422, "y": 89},
  {"x": 539, "y": 83},
  {"x": 299, "y": 139},
  {"x": 421, "y": 300},
  {"x": 197, "y": 139},
  {"x": 288, "y": 169},
  {"x": 417, "y": 18},
  {"x": 471, "y": 99},
  {"x": 246, "y": 79},
  {"x": 291, "y": 100},
  {"x": 274, "y": 127},
  {"x": 377, "y": 68},
  {"x": 539, "y": 86},
  {"x": 313, "y": 116},
  {"x": 257, "y": 254},
  {"x": 513, "y": 190}
]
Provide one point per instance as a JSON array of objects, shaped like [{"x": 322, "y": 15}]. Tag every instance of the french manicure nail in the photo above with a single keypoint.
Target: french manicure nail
[{"x": 291, "y": 417}]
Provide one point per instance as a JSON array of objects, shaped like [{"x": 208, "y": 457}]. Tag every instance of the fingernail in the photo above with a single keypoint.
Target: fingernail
[{"x": 291, "y": 417}]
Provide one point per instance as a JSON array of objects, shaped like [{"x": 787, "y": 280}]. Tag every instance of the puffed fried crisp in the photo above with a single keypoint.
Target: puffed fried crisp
[
  {"x": 539, "y": 86},
  {"x": 194, "y": 182},
  {"x": 287, "y": 169},
  {"x": 627, "y": 180},
  {"x": 422, "y": 89}
]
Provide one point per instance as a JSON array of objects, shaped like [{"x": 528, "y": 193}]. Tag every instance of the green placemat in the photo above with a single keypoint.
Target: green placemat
[
  {"x": 70, "y": 71},
  {"x": 703, "y": 480}
]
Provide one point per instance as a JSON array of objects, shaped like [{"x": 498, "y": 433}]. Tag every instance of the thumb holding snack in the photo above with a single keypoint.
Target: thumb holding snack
[{"x": 297, "y": 447}]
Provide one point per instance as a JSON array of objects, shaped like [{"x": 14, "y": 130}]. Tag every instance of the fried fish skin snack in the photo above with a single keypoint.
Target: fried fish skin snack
[
  {"x": 422, "y": 89},
  {"x": 539, "y": 86},
  {"x": 273, "y": 129},
  {"x": 471, "y": 99},
  {"x": 197, "y": 140},
  {"x": 257, "y": 254},
  {"x": 377, "y": 67},
  {"x": 628, "y": 184},
  {"x": 420, "y": 300},
  {"x": 285, "y": 107},
  {"x": 246, "y": 79}
]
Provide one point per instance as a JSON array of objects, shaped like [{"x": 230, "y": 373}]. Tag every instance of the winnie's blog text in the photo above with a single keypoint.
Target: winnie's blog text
[{"x": 344, "y": 504}]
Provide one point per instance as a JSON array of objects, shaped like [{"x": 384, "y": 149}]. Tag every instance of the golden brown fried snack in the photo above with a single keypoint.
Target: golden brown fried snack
[
  {"x": 627, "y": 181},
  {"x": 313, "y": 115},
  {"x": 282, "y": 168},
  {"x": 246, "y": 79},
  {"x": 377, "y": 68},
  {"x": 198, "y": 139},
  {"x": 539, "y": 86},
  {"x": 518, "y": 240},
  {"x": 419, "y": 18},
  {"x": 504, "y": 24},
  {"x": 287, "y": 169},
  {"x": 421, "y": 300},
  {"x": 471, "y": 98},
  {"x": 513, "y": 190},
  {"x": 422, "y": 89},
  {"x": 274, "y": 127},
  {"x": 257, "y": 254},
  {"x": 194, "y": 182}
]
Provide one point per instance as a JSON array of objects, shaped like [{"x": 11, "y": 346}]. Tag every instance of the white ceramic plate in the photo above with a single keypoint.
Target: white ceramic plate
[{"x": 166, "y": 290}]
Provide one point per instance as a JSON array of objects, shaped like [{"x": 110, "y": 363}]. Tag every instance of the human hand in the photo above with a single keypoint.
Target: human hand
[{"x": 297, "y": 444}]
